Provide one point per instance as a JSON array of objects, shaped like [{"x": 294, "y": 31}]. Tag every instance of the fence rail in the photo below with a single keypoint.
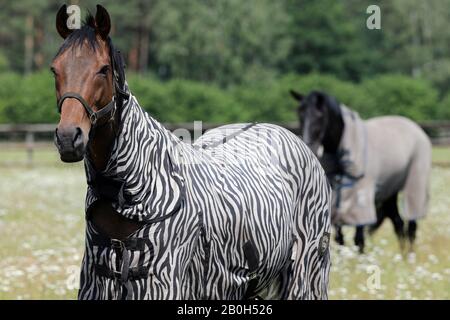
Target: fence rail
[{"x": 438, "y": 131}]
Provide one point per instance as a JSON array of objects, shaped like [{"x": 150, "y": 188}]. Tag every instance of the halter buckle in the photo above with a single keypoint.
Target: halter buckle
[
  {"x": 117, "y": 244},
  {"x": 113, "y": 113},
  {"x": 93, "y": 118}
]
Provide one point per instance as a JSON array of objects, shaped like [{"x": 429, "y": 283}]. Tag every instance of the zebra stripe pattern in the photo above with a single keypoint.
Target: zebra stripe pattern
[{"x": 201, "y": 202}]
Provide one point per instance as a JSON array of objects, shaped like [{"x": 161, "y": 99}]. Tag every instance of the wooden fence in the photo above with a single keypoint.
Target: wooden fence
[{"x": 439, "y": 132}]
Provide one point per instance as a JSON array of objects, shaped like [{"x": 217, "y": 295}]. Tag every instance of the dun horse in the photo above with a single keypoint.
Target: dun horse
[
  {"x": 243, "y": 212},
  {"x": 368, "y": 163}
]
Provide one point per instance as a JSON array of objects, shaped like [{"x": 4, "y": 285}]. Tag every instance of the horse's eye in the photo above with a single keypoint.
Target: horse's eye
[{"x": 104, "y": 70}]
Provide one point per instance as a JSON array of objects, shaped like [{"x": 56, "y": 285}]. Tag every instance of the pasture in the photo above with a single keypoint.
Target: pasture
[{"x": 42, "y": 237}]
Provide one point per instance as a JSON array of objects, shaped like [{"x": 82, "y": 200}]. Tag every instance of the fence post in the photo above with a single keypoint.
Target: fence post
[{"x": 30, "y": 147}]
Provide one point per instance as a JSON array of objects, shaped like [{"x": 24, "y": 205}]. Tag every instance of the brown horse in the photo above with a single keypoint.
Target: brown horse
[
  {"x": 88, "y": 90},
  {"x": 211, "y": 227}
]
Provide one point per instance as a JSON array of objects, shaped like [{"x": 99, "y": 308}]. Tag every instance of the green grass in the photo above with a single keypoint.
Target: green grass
[
  {"x": 42, "y": 237},
  {"x": 15, "y": 155},
  {"x": 441, "y": 155},
  {"x": 423, "y": 275}
]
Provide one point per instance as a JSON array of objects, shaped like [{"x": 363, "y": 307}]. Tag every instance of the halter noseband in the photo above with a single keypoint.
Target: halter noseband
[{"x": 94, "y": 116}]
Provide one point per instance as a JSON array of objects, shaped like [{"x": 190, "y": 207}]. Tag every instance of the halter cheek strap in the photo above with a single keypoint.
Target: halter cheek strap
[{"x": 94, "y": 116}]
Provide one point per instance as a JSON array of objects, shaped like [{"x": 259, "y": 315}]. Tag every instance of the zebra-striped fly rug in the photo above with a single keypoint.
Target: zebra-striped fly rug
[{"x": 244, "y": 211}]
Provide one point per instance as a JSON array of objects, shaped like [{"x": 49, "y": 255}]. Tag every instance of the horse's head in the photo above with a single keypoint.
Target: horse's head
[
  {"x": 313, "y": 116},
  {"x": 83, "y": 70}
]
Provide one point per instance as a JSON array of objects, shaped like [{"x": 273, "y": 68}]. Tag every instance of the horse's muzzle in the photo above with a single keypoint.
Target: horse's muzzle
[{"x": 70, "y": 144}]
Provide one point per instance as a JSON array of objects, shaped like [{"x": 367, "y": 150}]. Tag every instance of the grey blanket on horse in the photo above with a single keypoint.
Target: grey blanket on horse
[{"x": 379, "y": 156}]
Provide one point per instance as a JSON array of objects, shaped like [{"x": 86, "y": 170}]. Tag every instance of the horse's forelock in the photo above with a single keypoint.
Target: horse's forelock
[{"x": 78, "y": 37}]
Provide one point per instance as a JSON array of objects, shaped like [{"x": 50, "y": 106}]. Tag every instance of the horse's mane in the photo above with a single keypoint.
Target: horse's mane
[
  {"x": 335, "y": 127},
  {"x": 78, "y": 37},
  {"x": 87, "y": 34},
  {"x": 331, "y": 102}
]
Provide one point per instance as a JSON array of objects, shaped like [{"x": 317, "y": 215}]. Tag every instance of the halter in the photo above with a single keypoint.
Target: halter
[{"x": 94, "y": 116}]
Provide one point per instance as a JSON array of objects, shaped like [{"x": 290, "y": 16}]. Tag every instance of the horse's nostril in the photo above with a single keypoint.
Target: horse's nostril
[
  {"x": 70, "y": 143},
  {"x": 78, "y": 137},
  {"x": 57, "y": 140}
]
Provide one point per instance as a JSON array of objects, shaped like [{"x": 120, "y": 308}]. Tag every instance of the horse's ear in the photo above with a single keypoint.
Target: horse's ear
[
  {"x": 61, "y": 22},
  {"x": 296, "y": 95},
  {"x": 102, "y": 22}
]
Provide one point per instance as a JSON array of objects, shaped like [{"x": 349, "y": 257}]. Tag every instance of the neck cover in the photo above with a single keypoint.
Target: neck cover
[
  {"x": 141, "y": 179},
  {"x": 353, "y": 145},
  {"x": 353, "y": 194}
]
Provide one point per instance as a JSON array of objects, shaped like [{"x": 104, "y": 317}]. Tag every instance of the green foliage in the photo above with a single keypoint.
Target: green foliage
[
  {"x": 220, "y": 40},
  {"x": 231, "y": 42},
  {"x": 4, "y": 63},
  {"x": 27, "y": 99},
  {"x": 271, "y": 101},
  {"x": 328, "y": 39},
  {"x": 396, "y": 94},
  {"x": 8, "y": 93},
  {"x": 346, "y": 92},
  {"x": 443, "y": 109},
  {"x": 31, "y": 99},
  {"x": 183, "y": 100}
]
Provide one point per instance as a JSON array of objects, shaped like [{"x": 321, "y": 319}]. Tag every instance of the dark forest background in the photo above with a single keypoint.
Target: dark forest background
[{"x": 234, "y": 60}]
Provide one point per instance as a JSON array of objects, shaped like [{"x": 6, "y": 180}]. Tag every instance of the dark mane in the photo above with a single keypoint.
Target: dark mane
[
  {"x": 78, "y": 37},
  {"x": 335, "y": 123},
  {"x": 331, "y": 102}
]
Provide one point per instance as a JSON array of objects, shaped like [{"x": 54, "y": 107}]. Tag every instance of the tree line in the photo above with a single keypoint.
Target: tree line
[{"x": 246, "y": 54}]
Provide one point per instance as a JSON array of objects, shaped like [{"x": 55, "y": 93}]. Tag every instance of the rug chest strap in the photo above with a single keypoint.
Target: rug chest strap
[
  {"x": 122, "y": 273},
  {"x": 134, "y": 244},
  {"x": 133, "y": 273}
]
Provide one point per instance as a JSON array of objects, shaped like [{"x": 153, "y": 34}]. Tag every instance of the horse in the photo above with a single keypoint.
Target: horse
[
  {"x": 244, "y": 212},
  {"x": 368, "y": 163}
]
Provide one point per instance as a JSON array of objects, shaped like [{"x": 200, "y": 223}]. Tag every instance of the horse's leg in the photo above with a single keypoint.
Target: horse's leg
[
  {"x": 339, "y": 237},
  {"x": 359, "y": 238},
  {"x": 416, "y": 190},
  {"x": 412, "y": 228},
  {"x": 381, "y": 215},
  {"x": 391, "y": 209}
]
